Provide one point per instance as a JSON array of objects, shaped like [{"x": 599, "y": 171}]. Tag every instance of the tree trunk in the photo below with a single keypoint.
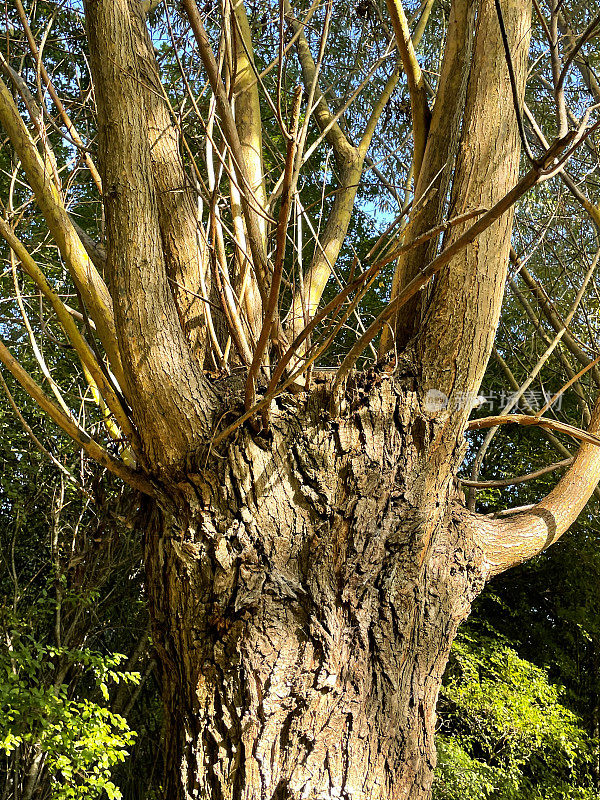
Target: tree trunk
[{"x": 304, "y": 607}]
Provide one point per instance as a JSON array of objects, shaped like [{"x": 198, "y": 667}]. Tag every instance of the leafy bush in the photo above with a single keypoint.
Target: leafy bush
[
  {"x": 504, "y": 733},
  {"x": 79, "y": 740}
]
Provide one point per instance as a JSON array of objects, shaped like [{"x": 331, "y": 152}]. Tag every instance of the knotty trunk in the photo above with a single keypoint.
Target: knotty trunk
[{"x": 304, "y": 607}]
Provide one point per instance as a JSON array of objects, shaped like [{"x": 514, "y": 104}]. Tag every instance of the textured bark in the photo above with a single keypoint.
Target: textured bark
[
  {"x": 164, "y": 385},
  {"x": 184, "y": 243},
  {"x": 304, "y": 608},
  {"x": 431, "y": 187},
  {"x": 467, "y": 297}
]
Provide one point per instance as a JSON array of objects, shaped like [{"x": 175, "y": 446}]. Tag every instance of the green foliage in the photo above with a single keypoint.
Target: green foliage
[
  {"x": 81, "y": 740},
  {"x": 70, "y": 602},
  {"x": 505, "y": 734}
]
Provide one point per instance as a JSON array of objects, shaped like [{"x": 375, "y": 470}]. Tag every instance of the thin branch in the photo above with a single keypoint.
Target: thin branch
[
  {"x": 230, "y": 131},
  {"x": 73, "y": 334},
  {"x": 567, "y": 385},
  {"x": 91, "y": 447},
  {"x": 430, "y": 234},
  {"x": 585, "y": 37},
  {"x": 39, "y": 446},
  {"x": 91, "y": 285},
  {"x": 421, "y": 116},
  {"x": 513, "y": 84},
  {"x": 56, "y": 99},
  {"x": 504, "y": 482},
  {"x": 284, "y": 215},
  {"x": 513, "y": 401},
  {"x": 543, "y": 422},
  {"x": 553, "y": 316},
  {"x": 336, "y": 138},
  {"x": 559, "y": 94}
]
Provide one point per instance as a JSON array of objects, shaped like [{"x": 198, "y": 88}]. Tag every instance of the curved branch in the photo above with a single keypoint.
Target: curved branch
[
  {"x": 502, "y": 483},
  {"x": 543, "y": 422},
  {"x": 510, "y": 541},
  {"x": 305, "y": 301},
  {"x": 421, "y": 115},
  {"x": 342, "y": 148}
]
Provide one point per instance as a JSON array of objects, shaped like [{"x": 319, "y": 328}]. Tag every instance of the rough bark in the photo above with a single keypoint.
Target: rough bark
[
  {"x": 183, "y": 241},
  {"x": 304, "y": 609}
]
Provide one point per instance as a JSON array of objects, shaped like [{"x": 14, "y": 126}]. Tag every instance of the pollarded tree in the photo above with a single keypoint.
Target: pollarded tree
[{"x": 308, "y": 556}]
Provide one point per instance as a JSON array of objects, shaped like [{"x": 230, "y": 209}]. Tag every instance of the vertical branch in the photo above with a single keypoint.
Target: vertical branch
[
  {"x": 186, "y": 257},
  {"x": 350, "y": 163},
  {"x": 460, "y": 324},
  {"x": 282, "y": 224},
  {"x": 559, "y": 93},
  {"x": 247, "y": 105},
  {"x": 421, "y": 115},
  {"x": 230, "y": 131},
  {"x": 170, "y": 398},
  {"x": 431, "y": 188}
]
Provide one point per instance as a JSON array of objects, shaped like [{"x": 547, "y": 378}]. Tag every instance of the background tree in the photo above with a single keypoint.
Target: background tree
[
  {"x": 71, "y": 607},
  {"x": 308, "y": 553}
]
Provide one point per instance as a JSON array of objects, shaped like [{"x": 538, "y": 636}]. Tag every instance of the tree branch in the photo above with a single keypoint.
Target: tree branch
[
  {"x": 89, "y": 282},
  {"x": 510, "y": 541},
  {"x": 421, "y": 116},
  {"x": 530, "y": 179},
  {"x": 502, "y": 483},
  {"x": 431, "y": 188},
  {"x": 525, "y": 419},
  {"x": 72, "y": 130},
  {"x": 92, "y": 448},
  {"x": 170, "y": 398},
  {"x": 231, "y": 134},
  {"x": 342, "y": 148},
  {"x": 72, "y": 331},
  {"x": 186, "y": 256}
]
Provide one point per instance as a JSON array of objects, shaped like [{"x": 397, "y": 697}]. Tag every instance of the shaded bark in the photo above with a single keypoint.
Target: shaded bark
[
  {"x": 304, "y": 608},
  {"x": 183, "y": 240}
]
